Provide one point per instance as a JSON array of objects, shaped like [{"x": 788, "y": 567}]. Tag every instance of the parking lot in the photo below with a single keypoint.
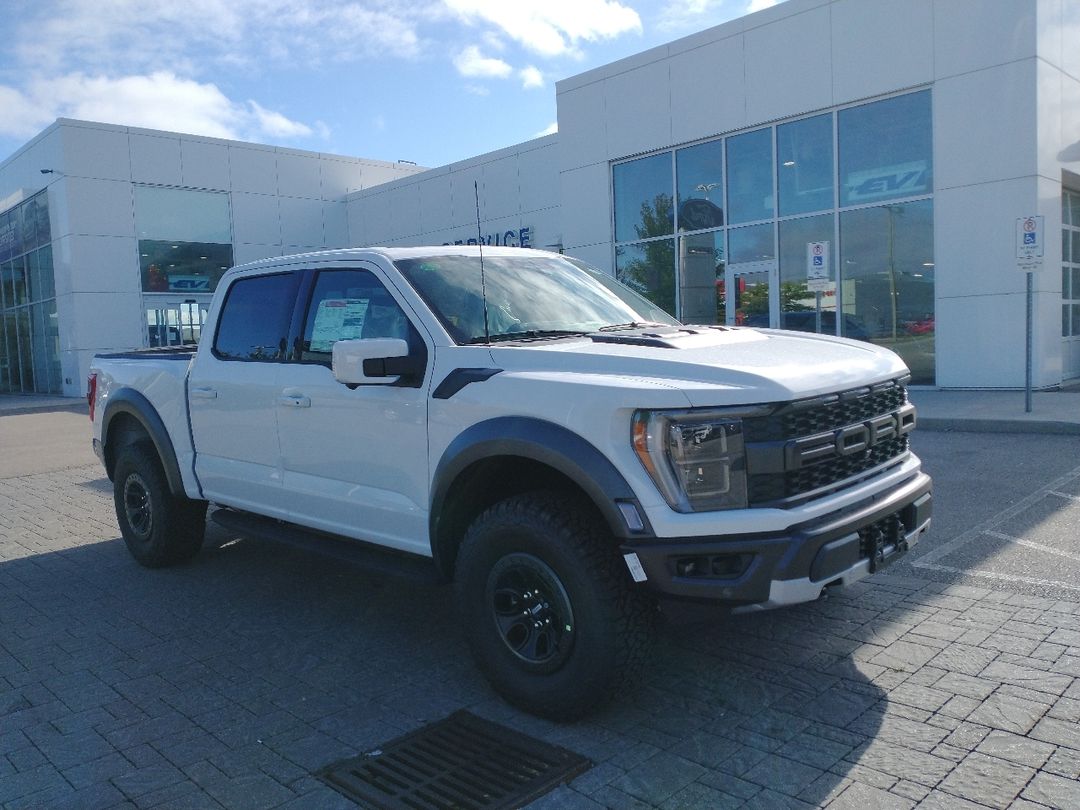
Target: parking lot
[{"x": 950, "y": 681}]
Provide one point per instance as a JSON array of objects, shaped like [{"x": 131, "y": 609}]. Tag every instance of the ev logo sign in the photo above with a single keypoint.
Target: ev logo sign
[{"x": 1029, "y": 242}]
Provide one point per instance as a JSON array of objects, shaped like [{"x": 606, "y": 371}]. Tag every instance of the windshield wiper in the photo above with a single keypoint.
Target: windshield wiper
[
  {"x": 616, "y": 327},
  {"x": 531, "y": 334}
]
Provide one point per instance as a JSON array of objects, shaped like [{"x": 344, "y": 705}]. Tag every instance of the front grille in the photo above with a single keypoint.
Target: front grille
[
  {"x": 807, "y": 417},
  {"x": 796, "y": 480}
]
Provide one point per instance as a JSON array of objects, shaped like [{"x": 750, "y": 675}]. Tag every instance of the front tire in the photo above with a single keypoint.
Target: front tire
[
  {"x": 548, "y": 609},
  {"x": 158, "y": 527}
]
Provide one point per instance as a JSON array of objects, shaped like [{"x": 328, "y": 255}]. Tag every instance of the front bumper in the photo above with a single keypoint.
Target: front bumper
[{"x": 761, "y": 571}]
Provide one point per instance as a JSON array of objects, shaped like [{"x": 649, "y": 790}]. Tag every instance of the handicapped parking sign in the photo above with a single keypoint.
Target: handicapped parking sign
[{"x": 1029, "y": 241}]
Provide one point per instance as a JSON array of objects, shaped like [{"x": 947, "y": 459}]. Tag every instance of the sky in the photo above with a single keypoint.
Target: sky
[{"x": 430, "y": 81}]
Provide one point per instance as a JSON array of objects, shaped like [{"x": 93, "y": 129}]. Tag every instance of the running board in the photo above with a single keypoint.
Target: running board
[{"x": 372, "y": 558}]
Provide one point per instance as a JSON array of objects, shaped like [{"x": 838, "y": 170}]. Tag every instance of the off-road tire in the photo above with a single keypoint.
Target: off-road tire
[
  {"x": 159, "y": 528},
  {"x": 611, "y": 623}
]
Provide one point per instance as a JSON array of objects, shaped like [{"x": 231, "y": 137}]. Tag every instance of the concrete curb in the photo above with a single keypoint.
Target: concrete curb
[{"x": 993, "y": 425}]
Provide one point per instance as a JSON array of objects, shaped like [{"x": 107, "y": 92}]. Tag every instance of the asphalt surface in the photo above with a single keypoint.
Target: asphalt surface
[{"x": 950, "y": 681}]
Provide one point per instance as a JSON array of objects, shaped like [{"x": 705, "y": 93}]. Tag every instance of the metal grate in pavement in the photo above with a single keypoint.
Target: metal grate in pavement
[{"x": 462, "y": 762}]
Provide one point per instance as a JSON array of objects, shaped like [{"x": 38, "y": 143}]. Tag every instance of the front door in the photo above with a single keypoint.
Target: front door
[
  {"x": 172, "y": 322},
  {"x": 354, "y": 460}
]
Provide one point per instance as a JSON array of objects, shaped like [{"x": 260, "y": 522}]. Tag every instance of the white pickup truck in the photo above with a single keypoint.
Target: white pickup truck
[{"x": 562, "y": 449}]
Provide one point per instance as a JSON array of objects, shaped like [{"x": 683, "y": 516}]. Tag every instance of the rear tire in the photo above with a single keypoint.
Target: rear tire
[
  {"x": 158, "y": 527},
  {"x": 547, "y": 605}
]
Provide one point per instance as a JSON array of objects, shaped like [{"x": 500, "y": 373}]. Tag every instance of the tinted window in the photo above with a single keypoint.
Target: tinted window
[
  {"x": 805, "y": 152},
  {"x": 886, "y": 150},
  {"x": 346, "y": 305},
  {"x": 701, "y": 190},
  {"x": 750, "y": 176},
  {"x": 255, "y": 318},
  {"x": 643, "y": 205}
]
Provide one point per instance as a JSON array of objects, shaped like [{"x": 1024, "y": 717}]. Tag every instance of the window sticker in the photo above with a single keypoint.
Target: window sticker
[{"x": 337, "y": 319}]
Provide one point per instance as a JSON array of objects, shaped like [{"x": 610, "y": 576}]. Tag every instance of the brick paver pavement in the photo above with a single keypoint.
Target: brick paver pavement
[{"x": 227, "y": 682}]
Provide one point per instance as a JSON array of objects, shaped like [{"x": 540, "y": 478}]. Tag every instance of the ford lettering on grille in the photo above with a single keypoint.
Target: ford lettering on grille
[{"x": 851, "y": 440}]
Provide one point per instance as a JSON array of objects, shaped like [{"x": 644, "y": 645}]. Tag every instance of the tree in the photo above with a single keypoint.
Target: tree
[{"x": 654, "y": 274}]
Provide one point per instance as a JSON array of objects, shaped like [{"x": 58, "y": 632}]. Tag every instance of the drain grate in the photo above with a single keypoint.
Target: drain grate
[{"x": 460, "y": 763}]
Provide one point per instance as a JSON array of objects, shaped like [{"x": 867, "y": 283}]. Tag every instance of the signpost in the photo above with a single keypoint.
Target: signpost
[
  {"x": 817, "y": 274},
  {"x": 1030, "y": 236}
]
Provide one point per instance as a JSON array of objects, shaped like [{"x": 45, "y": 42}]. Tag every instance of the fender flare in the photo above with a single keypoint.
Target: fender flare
[
  {"x": 545, "y": 442},
  {"x": 131, "y": 402}
]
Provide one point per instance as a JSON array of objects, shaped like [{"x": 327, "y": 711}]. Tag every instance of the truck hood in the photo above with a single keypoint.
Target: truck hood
[{"x": 713, "y": 365}]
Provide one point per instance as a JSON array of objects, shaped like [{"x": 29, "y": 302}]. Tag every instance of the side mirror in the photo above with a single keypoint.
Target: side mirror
[{"x": 371, "y": 361}]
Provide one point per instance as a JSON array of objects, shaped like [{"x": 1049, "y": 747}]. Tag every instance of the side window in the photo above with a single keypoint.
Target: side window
[
  {"x": 255, "y": 318},
  {"x": 345, "y": 305}
]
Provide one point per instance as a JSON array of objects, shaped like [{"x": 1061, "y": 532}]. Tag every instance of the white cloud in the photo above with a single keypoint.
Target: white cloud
[
  {"x": 134, "y": 36},
  {"x": 552, "y": 27},
  {"x": 759, "y": 5},
  {"x": 158, "y": 100},
  {"x": 531, "y": 77},
  {"x": 477, "y": 90},
  {"x": 550, "y": 129},
  {"x": 682, "y": 15},
  {"x": 470, "y": 62}
]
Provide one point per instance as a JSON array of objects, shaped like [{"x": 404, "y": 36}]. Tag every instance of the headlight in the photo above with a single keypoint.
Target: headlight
[{"x": 695, "y": 458}]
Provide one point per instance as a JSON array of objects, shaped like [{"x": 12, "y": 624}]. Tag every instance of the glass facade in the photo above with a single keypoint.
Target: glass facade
[
  {"x": 185, "y": 239},
  {"x": 29, "y": 332},
  {"x": 843, "y": 197}
]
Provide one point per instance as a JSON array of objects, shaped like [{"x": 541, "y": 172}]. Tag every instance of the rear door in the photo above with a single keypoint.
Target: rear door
[
  {"x": 355, "y": 460},
  {"x": 233, "y": 394}
]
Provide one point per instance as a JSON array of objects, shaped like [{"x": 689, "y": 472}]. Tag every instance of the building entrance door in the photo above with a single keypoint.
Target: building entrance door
[
  {"x": 747, "y": 286},
  {"x": 175, "y": 322}
]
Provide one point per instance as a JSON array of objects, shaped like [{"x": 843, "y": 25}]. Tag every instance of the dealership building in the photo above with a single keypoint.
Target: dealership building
[{"x": 886, "y": 170}]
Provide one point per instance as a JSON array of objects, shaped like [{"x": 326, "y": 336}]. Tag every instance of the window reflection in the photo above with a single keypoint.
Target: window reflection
[
  {"x": 888, "y": 280},
  {"x": 643, "y": 204},
  {"x": 649, "y": 269},
  {"x": 799, "y": 304},
  {"x": 185, "y": 239},
  {"x": 701, "y": 278},
  {"x": 750, "y": 176},
  {"x": 886, "y": 150},
  {"x": 700, "y": 172},
  {"x": 752, "y": 244},
  {"x": 805, "y": 153}
]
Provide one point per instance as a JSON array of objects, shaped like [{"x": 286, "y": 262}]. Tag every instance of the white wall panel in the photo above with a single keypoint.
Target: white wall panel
[
  {"x": 637, "y": 106},
  {"x": 586, "y": 208},
  {"x": 966, "y": 152},
  {"x": 880, "y": 46},
  {"x": 301, "y": 221},
  {"x": 250, "y": 252},
  {"x": 339, "y": 177},
  {"x": 976, "y": 34},
  {"x": 101, "y": 153},
  {"x": 155, "y": 160},
  {"x": 105, "y": 321},
  {"x": 298, "y": 175},
  {"x": 205, "y": 164},
  {"x": 975, "y": 238},
  {"x": 435, "y": 203},
  {"x": 107, "y": 264},
  {"x": 708, "y": 94},
  {"x": 99, "y": 207},
  {"x": 253, "y": 169},
  {"x": 538, "y": 176},
  {"x": 582, "y": 121},
  {"x": 255, "y": 219},
  {"x": 463, "y": 195},
  {"x": 502, "y": 189},
  {"x": 335, "y": 225},
  {"x": 789, "y": 66},
  {"x": 404, "y": 212}
]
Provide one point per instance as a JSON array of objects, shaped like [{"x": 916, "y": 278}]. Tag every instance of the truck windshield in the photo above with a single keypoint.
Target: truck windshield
[{"x": 528, "y": 297}]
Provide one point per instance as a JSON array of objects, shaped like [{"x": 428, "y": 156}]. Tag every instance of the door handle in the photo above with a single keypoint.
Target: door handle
[
  {"x": 294, "y": 400},
  {"x": 203, "y": 393}
]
